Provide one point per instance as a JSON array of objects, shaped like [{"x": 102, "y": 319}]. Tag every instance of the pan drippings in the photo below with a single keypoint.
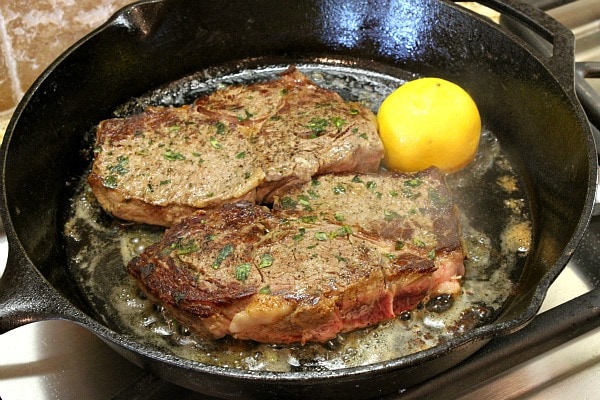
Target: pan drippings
[{"x": 496, "y": 233}]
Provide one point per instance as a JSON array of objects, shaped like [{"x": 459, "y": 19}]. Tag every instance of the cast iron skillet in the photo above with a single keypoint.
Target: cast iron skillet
[{"x": 527, "y": 99}]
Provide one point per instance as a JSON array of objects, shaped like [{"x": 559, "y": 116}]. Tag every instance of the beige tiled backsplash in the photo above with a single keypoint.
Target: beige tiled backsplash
[{"x": 34, "y": 33}]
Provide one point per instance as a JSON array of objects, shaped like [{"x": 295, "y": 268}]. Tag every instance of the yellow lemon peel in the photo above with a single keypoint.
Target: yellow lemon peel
[{"x": 429, "y": 122}]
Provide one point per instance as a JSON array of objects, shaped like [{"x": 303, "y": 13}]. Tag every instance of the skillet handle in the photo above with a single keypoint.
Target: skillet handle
[
  {"x": 590, "y": 101},
  {"x": 26, "y": 296},
  {"x": 547, "y": 36},
  {"x": 588, "y": 97}
]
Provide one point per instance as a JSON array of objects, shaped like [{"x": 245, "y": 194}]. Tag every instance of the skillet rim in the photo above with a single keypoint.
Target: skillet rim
[{"x": 480, "y": 334}]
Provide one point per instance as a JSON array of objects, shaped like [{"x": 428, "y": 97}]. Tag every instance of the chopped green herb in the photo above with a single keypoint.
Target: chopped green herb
[
  {"x": 338, "y": 122},
  {"x": 317, "y": 126},
  {"x": 174, "y": 128},
  {"x": 300, "y": 235},
  {"x": 339, "y": 216},
  {"x": 221, "y": 128},
  {"x": 199, "y": 157},
  {"x": 353, "y": 111},
  {"x": 341, "y": 259},
  {"x": 242, "y": 271},
  {"x": 309, "y": 219},
  {"x": 171, "y": 155},
  {"x": 344, "y": 231},
  {"x": 321, "y": 236},
  {"x": 241, "y": 154},
  {"x": 371, "y": 185},
  {"x": 303, "y": 200},
  {"x": 399, "y": 245},
  {"x": 183, "y": 247},
  {"x": 225, "y": 252},
  {"x": 120, "y": 167},
  {"x": 265, "y": 290},
  {"x": 313, "y": 194},
  {"x": 418, "y": 242},
  {"x": 110, "y": 182},
  {"x": 165, "y": 182},
  {"x": 393, "y": 193},
  {"x": 266, "y": 260},
  {"x": 287, "y": 203},
  {"x": 415, "y": 182},
  {"x": 431, "y": 254},
  {"x": 363, "y": 136},
  {"x": 389, "y": 256},
  {"x": 315, "y": 182},
  {"x": 357, "y": 179},
  {"x": 214, "y": 143}
]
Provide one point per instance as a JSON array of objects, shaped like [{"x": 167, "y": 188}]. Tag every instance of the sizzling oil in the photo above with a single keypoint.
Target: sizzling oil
[{"x": 487, "y": 190}]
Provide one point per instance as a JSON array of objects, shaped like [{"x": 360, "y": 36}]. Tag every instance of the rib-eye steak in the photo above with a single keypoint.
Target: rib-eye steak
[
  {"x": 414, "y": 211},
  {"x": 238, "y": 143},
  {"x": 339, "y": 253}
]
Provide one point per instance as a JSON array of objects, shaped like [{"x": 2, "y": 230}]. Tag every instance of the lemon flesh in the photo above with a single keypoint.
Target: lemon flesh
[{"x": 429, "y": 122}]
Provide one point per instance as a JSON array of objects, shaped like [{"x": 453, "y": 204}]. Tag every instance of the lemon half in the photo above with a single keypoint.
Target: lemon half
[{"x": 429, "y": 122}]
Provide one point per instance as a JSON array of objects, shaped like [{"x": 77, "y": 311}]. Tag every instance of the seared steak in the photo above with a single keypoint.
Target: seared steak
[
  {"x": 415, "y": 212},
  {"x": 341, "y": 252},
  {"x": 238, "y": 143}
]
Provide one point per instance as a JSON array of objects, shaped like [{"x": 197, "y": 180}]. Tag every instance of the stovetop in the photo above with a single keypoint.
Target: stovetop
[{"x": 557, "y": 356}]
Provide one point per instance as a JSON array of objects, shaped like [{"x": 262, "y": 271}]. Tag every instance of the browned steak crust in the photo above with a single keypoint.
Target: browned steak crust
[
  {"x": 238, "y": 143},
  {"x": 338, "y": 253}
]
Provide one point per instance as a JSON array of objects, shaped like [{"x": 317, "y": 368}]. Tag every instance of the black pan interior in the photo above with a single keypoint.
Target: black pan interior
[{"x": 148, "y": 45}]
